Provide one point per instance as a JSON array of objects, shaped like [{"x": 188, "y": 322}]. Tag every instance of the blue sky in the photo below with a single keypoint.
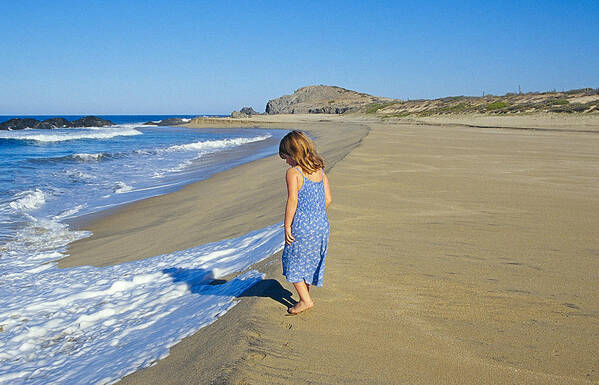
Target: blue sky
[{"x": 192, "y": 57}]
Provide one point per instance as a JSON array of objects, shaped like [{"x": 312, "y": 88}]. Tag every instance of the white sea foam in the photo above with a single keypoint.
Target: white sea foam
[
  {"x": 39, "y": 242},
  {"x": 122, "y": 187},
  {"x": 96, "y": 325},
  {"x": 88, "y": 157},
  {"x": 59, "y": 135},
  {"x": 182, "y": 166},
  {"x": 70, "y": 212},
  {"x": 77, "y": 175},
  {"x": 217, "y": 144},
  {"x": 28, "y": 200}
]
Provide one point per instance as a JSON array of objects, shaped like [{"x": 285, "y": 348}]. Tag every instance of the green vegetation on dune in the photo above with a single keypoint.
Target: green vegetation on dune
[
  {"x": 460, "y": 107},
  {"x": 373, "y": 108},
  {"x": 575, "y": 101},
  {"x": 570, "y": 108},
  {"x": 496, "y": 105}
]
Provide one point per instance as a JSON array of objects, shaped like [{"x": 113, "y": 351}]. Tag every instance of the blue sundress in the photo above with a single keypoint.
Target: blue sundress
[{"x": 304, "y": 259}]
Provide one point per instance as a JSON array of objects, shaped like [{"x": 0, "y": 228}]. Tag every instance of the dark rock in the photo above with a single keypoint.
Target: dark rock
[
  {"x": 237, "y": 115},
  {"x": 245, "y": 112},
  {"x": 19, "y": 124},
  {"x": 248, "y": 111},
  {"x": 172, "y": 122},
  {"x": 53, "y": 123},
  {"x": 167, "y": 122},
  {"x": 90, "y": 121}
]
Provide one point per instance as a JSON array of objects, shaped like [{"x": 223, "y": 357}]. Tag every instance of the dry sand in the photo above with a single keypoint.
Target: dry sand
[{"x": 458, "y": 255}]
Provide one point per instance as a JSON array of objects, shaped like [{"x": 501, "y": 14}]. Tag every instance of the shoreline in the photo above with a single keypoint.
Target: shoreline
[
  {"x": 137, "y": 230},
  {"x": 439, "y": 272}
]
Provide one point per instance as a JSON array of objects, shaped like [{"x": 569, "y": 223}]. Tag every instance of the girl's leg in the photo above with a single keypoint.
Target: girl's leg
[{"x": 305, "y": 299}]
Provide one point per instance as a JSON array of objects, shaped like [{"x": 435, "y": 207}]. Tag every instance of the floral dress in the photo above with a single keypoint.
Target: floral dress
[{"x": 304, "y": 259}]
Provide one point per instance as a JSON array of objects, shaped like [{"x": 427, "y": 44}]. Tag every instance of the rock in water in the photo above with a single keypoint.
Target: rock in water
[
  {"x": 321, "y": 100},
  {"x": 172, "y": 122},
  {"x": 90, "y": 121},
  {"x": 22, "y": 123},
  {"x": 19, "y": 124},
  {"x": 167, "y": 122},
  {"x": 53, "y": 123}
]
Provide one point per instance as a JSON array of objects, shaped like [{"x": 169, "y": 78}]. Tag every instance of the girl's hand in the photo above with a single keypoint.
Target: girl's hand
[{"x": 288, "y": 236}]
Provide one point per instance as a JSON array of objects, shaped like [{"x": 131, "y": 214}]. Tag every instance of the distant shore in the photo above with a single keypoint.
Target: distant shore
[{"x": 459, "y": 254}]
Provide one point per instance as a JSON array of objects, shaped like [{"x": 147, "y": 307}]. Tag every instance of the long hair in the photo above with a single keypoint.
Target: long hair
[{"x": 299, "y": 147}]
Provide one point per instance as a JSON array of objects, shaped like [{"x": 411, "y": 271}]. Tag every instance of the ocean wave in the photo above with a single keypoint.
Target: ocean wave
[
  {"x": 216, "y": 144},
  {"x": 122, "y": 187},
  {"x": 120, "y": 318},
  {"x": 70, "y": 212},
  {"x": 87, "y": 157},
  {"x": 28, "y": 200},
  {"x": 78, "y": 176},
  {"x": 77, "y": 158},
  {"x": 60, "y": 135}
]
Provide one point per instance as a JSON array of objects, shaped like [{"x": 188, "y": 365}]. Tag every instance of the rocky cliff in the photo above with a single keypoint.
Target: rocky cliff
[{"x": 322, "y": 100}]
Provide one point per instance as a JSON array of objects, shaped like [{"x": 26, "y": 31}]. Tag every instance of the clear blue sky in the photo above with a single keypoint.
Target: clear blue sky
[{"x": 162, "y": 57}]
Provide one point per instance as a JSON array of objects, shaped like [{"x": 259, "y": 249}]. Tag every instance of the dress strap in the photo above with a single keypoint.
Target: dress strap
[{"x": 300, "y": 170}]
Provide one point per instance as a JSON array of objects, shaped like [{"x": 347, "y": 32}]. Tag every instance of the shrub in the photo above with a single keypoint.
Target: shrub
[
  {"x": 373, "y": 108},
  {"x": 574, "y": 107},
  {"x": 460, "y": 107},
  {"x": 498, "y": 105}
]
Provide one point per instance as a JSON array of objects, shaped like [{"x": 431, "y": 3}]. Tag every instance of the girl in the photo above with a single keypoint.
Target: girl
[{"x": 306, "y": 221}]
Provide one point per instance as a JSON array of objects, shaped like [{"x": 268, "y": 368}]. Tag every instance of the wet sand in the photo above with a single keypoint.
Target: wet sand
[{"x": 458, "y": 255}]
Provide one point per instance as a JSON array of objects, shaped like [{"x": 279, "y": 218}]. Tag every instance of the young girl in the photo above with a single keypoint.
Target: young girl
[{"x": 306, "y": 221}]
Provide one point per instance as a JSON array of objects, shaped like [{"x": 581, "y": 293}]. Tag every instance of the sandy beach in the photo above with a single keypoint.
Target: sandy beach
[{"x": 463, "y": 250}]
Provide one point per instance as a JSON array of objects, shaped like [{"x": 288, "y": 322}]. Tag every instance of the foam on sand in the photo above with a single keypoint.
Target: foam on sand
[{"x": 96, "y": 325}]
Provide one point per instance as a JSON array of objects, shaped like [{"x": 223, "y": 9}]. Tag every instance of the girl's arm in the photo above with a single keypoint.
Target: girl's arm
[
  {"x": 291, "y": 206},
  {"x": 328, "y": 198}
]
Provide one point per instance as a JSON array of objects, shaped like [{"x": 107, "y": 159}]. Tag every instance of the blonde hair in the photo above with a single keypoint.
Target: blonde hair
[{"x": 299, "y": 147}]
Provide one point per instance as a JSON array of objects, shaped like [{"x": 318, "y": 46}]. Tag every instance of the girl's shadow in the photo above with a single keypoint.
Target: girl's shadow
[
  {"x": 198, "y": 280},
  {"x": 270, "y": 288}
]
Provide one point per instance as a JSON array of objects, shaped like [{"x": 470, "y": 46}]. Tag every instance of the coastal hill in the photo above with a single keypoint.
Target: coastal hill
[
  {"x": 322, "y": 100},
  {"x": 584, "y": 100},
  {"x": 336, "y": 100}
]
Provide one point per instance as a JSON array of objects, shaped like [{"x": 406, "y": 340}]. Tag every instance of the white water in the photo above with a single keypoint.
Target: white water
[
  {"x": 60, "y": 135},
  {"x": 89, "y": 325},
  {"x": 216, "y": 144}
]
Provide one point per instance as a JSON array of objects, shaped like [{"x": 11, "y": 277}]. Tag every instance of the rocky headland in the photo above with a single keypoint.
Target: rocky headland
[
  {"x": 336, "y": 100},
  {"x": 22, "y": 123},
  {"x": 323, "y": 100}
]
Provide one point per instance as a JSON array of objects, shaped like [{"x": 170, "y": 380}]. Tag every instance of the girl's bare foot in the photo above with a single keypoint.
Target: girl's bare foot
[{"x": 300, "y": 307}]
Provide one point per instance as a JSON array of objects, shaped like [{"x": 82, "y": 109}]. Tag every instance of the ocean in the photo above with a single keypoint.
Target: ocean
[{"x": 51, "y": 318}]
